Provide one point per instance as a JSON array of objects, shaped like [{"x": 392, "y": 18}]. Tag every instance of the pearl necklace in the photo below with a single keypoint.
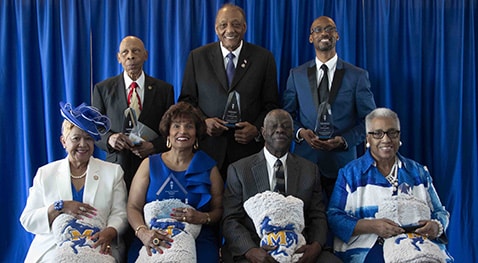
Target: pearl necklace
[{"x": 79, "y": 176}]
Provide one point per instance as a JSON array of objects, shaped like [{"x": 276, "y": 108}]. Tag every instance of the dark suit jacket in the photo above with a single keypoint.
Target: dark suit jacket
[
  {"x": 249, "y": 176},
  {"x": 109, "y": 96},
  {"x": 205, "y": 86},
  {"x": 353, "y": 101}
]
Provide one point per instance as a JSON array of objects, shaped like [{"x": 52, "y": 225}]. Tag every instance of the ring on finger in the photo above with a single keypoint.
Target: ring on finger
[
  {"x": 108, "y": 246},
  {"x": 184, "y": 218},
  {"x": 82, "y": 209},
  {"x": 156, "y": 241}
]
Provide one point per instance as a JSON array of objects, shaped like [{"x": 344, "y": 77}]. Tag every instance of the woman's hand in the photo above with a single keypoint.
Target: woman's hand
[
  {"x": 78, "y": 209},
  {"x": 430, "y": 229},
  {"x": 103, "y": 239},
  {"x": 154, "y": 239},
  {"x": 190, "y": 215},
  {"x": 386, "y": 228}
]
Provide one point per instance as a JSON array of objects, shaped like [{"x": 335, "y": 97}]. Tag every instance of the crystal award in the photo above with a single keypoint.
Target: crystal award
[
  {"x": 172, "y": 189},
  {"x": 324, "y": 126},
  {"x": 232, "y": 112}
]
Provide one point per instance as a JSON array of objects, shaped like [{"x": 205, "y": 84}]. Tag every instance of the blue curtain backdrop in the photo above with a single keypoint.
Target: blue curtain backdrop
[{"x": 421, "y": 56}]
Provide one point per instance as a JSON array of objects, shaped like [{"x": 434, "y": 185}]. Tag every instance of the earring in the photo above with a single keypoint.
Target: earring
[
  {"x": 168, "y": 143},
  {"x": 196, "y": 145},
  {"x": 367, "y": 145},
  {"x": 400, "y": 143}
]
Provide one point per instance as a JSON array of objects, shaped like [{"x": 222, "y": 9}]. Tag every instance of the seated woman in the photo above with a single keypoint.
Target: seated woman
[
  {"x": 182, "y": 173},
  {"x": 384, "y": 206},
  {"x": 77, "y": 206}
]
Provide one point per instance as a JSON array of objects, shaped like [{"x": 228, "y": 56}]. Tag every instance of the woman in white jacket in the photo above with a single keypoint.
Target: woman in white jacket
[{"x": 77, "y": 189}]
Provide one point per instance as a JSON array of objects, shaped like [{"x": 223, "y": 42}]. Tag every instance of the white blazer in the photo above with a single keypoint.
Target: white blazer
[{"x": 104, "y": 189}]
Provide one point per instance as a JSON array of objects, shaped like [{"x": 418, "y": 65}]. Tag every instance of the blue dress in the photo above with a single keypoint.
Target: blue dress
[{"x": 191, "y": 186}]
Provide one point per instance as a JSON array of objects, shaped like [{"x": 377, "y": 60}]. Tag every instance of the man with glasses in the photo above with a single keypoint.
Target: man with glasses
[{"x": 328, "y": 99}]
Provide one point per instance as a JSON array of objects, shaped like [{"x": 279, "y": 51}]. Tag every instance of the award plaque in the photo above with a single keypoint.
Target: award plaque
[
  {"x": 232, "y": 112},
  {"x": 324, "y": 126},
  {"x": 172, "y": 189}
]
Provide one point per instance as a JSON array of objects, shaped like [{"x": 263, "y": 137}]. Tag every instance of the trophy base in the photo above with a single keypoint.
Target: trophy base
[{"x": 230, "y": 125}]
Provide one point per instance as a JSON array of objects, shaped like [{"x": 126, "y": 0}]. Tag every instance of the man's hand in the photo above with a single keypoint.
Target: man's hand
[
  {"x": 215, "y": 126},
  {"x": 119, "y": 142},
  {"x": 331, "y": 144},
  {"x": 143, "y": 149},
  {"x": 311, "y": 252},
  {"x": 259, "y": 255},
  {"x": 245, "y": 132}
]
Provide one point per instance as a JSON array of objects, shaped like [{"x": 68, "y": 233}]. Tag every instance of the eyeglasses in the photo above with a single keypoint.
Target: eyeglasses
[
  {"x": 327, "y": 29},
  {"x": 392, "y": 134}
]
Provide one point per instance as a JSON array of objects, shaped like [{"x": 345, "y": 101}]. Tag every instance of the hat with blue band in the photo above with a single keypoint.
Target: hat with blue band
[{"x": 87, "y": 118}]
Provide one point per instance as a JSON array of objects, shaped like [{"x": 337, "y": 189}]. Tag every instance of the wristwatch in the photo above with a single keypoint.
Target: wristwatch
[{"x": 58, "y": 205}]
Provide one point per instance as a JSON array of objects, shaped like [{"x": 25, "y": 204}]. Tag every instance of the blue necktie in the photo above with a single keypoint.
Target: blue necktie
[
  {"x": 324, "y": 85},
  {"x": 280, "y": 179},
  {"x": 230, "y": 69}
]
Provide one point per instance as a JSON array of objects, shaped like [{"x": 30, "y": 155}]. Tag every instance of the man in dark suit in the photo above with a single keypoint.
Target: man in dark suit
[
  {"x": 348, "y": 94},
  {"x": 112, "y": 96},
  {"x": 207, "y": 86},
  {"x": 255, "y": 174}
]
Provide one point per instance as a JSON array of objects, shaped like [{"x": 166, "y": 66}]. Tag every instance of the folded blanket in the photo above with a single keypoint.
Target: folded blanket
[
  {"x": 406, "y": 209},
  {"x": 279, "y": 221},
  {"x": 183, "y": 249},
  {"x": 73, "y": 239}
]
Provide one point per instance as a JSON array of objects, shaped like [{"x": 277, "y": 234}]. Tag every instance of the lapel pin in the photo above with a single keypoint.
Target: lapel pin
[
  {"x": 243, "y": 65},
  {"x": 150, "y": 88},
  {"x": 95, "y": 177}
]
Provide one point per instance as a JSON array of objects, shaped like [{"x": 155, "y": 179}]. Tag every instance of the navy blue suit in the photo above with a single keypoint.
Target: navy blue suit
[{"x": 353, "y": 101}]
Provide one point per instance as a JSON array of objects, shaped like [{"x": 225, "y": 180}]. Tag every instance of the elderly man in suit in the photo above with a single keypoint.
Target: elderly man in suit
[
  {"x": 251, "y": 73},
  {"x": 114, "y": 95},
  {"x": 255, "y": 174},
  {"x": 345, "y": 94}
]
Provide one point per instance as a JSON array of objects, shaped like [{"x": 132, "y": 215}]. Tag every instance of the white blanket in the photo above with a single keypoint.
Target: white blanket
[
  {"x": 279, "y": 221},
  {"x": 183, "y": 249},
  {"x": 73, "y": 239}
]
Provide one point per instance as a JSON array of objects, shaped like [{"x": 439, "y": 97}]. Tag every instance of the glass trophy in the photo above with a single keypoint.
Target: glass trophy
[
  {"x": 172, "y": 189},
  {"x": 324, "y": 126},
  {"x": 232, "y": 112}
]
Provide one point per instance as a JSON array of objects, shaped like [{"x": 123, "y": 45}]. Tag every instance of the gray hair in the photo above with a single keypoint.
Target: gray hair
[{"x": 381, "y": 113}]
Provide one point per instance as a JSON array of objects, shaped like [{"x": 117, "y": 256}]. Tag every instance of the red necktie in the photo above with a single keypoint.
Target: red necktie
[{"x": 133, "y": 98}]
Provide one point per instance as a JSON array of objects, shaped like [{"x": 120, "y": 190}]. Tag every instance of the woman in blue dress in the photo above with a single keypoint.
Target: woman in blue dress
[{"x": 183, "y": 173}]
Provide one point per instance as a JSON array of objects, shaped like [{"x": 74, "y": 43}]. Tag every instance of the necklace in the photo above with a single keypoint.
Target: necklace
[
  {"x": 79, "y": 176},
  {"x": 392, "y": 177}
]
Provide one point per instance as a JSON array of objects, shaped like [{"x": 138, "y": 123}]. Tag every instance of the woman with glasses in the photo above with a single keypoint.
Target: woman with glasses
[
  {"x": 77, "y": 205},
  {"x": 384, "y": 207}
]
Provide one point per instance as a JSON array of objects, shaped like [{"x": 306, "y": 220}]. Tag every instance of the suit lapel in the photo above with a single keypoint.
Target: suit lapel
[
  {"x": 217, "y": 62},
  {"x": 243, "y": 64},
  {"x": 312, "y": 76},
  {"x": 259, "y": 172},
  {"x": 293, "y": 175},
  {"x": 149, "y": 93},
  {"x": 63, "y": 179},
  {"x": 337, "y": 81},
  {"x": 91, "y": 182}
]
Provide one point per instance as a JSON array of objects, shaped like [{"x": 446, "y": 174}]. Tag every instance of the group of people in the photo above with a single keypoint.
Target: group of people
[{"x": 213, "y": 165}]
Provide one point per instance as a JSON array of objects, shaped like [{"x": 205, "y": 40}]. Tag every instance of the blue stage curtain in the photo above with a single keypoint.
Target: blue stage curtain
[{"x": 421, "y": 57}]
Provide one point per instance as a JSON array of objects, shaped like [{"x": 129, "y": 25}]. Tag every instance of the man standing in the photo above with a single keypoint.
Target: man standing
[
  {"x": 133, "y": 88},
  {"x": 345, "y": 96},
  {"x": 229, "y": 70},
  {"x": 255, "y": 174}
]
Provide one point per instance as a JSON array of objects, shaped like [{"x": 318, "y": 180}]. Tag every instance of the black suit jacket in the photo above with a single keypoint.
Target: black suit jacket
[
  {"x": 249, "y": 176},
  {"x": 205, "y": 86},
  {"x": 109, "y": 96}
]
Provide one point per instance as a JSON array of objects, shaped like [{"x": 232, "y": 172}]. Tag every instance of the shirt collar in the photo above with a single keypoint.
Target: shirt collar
[
  {"x": 236, "y": 52},
  {"x": 331, "y": 63},
  {"x": 139, "y": 81},
  {"x": 271, "y": 159}
]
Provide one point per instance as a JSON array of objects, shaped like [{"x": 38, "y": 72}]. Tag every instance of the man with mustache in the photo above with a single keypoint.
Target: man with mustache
[
  {"x": 346, "y": 96},
  {"x": 208, "y": 86}
]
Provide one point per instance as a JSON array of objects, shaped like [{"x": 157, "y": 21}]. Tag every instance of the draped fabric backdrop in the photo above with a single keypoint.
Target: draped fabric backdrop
[{"x": 421, "y": 56}]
